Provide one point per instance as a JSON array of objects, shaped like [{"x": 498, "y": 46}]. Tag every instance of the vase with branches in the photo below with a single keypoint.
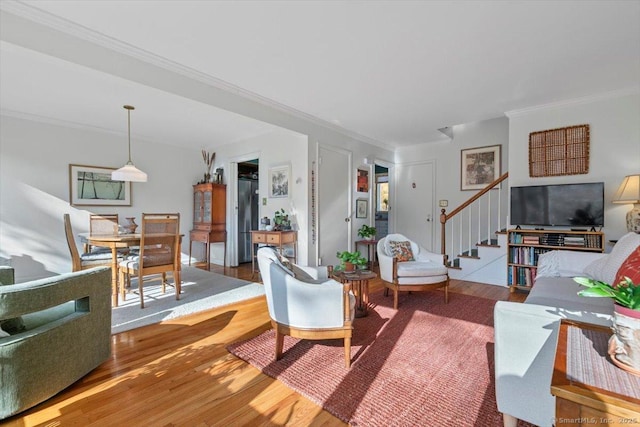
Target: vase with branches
[{"x": 208, "y": 159}]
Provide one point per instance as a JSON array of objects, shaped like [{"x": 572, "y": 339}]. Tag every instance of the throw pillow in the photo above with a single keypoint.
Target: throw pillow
[
  {"x": 606, "y": 268},
  {"x": 401, "y": 251},
  {"x": 630, "y": 268},
  {"x": 285, "y": 263}
]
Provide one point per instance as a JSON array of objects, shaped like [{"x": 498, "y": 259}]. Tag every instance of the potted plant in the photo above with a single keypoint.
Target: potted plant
[
  {"x": 624, "y": 345},
  {"x": 349, "y": 260},
  {"x": 367, "y": 232},
  {"x": 281, "y": 220}
]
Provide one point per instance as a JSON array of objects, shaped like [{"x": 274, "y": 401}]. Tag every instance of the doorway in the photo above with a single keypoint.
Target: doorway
[
  {"x": 248, "y": 207},
  {"x": 382, "y": 200}
]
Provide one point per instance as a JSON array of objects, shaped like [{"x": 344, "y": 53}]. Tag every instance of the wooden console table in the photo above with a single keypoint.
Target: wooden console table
[
  {"x": 274, "y": 238},
  {"x": 590, "y": 390}
]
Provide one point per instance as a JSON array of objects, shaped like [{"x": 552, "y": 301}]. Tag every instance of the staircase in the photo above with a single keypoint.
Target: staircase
[{"x": 473, "y": 236}]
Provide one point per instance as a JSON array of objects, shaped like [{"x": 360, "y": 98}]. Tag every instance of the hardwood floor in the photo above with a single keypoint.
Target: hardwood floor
[{"x": 178, "y": 373}]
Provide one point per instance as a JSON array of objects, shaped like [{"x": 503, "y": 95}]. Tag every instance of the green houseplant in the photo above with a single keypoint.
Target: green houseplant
[
  {"x": 625, "y": 294},
  {"x": 624, "y": 344},
  {"x": 349, "y": 260},
  {"x": 366, "y": 232},
  {"x": 281, "y": 220}
]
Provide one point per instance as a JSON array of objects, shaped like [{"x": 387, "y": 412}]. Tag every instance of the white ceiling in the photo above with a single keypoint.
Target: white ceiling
[{"x": 391, "y": 71}]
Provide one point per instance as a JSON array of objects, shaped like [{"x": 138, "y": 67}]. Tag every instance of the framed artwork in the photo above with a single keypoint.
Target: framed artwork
[
  {"x": 93, "y": 186},
  {"x": 479, "y": 167},
  {"x": 361, "y": 208},
  {"x": 362, "y": 181},
  {"x": 279, "y": 178}
]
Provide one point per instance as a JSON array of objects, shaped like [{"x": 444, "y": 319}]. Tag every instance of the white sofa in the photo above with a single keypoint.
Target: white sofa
[{"x": 526, "y": 334}]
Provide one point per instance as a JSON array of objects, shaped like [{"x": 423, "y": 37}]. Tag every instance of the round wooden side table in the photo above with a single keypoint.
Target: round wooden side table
[{"x": 359, "y": 282}]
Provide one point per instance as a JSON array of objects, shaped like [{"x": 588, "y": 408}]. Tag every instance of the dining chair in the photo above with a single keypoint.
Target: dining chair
[
  {"x": 86, "y": 260},
  {"x": 102, "y": 224},
  {"x": 159, "y": 254}
]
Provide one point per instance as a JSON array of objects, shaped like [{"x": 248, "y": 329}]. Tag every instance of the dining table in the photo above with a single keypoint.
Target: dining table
[{"x": 115, "y": 242}]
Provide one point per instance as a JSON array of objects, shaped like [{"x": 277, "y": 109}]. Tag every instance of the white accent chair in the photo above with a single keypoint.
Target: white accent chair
[
  {"x": 307, "y": 306},
  {"x": 426, "y": 272}
]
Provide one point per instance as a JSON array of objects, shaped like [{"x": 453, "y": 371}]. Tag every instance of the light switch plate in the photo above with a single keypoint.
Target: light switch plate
[{"x": 264, "y": 201}]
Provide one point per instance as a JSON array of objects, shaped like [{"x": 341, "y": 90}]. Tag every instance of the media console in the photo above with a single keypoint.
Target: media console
[{"x": 524, "y": 246}]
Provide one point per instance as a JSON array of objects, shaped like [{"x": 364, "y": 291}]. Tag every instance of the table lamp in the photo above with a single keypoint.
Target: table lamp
[{"x": 629, "y": 193}]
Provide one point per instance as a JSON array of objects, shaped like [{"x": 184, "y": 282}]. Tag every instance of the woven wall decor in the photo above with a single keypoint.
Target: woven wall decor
[{"x": 563, "y": 151}]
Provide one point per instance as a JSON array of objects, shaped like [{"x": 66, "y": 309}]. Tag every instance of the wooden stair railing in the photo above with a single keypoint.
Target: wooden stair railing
[{"x": 444, "y": 217}]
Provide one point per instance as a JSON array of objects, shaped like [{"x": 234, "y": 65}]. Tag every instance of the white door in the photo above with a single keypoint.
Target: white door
[
  {"x": 334, "y": 204},
  {"x": 413, "y": 213}
]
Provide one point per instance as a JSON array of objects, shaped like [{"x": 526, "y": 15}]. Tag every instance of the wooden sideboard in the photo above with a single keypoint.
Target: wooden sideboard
[{"x": 279, "y": 239}]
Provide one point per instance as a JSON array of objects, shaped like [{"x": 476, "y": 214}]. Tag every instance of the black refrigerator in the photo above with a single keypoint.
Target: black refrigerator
[{"x": 247, "y": 217}]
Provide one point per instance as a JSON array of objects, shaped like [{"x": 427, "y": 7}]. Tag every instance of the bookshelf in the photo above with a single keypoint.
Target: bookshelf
[{"x": 525, "y": 246}]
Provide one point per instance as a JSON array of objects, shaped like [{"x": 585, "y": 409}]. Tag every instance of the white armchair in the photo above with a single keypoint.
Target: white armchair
[
  {"x": 304, "y": 303},
  {"x": 426, "y": 271}
]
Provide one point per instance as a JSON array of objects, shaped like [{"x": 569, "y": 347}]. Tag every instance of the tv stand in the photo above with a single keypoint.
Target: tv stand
[{"x": 525, "y": 246}]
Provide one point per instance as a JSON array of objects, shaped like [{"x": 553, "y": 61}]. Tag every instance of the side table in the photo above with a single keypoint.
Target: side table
[
  {"x": 273, "y": 238},
  {"x": 359, "y": 282},
  {"x": 371, "y": 247},
  {"x": 590, "y": 390},
  {"x": 208, "y": 237}
]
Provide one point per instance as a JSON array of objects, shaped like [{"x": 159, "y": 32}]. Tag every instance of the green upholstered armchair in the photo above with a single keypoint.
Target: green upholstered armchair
[{"x": 60, "y": 330}]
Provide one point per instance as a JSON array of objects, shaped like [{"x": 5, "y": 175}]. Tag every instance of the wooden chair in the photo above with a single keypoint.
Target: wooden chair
[
  {"x": 309, "y": 306},
  {"x": 102, "y": 224},
  {"x": 159, "y": 254},
  {"x": 86, "y": 260},
  {"x": 426, "y": 271}
]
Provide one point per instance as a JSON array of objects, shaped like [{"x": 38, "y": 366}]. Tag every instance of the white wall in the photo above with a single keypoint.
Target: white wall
[
  {"x": 447, "y": 156},
  {"x": 274, "y": 149},
  {"x": 614, "y": 124},
  {"x": 34, "y": 188}
]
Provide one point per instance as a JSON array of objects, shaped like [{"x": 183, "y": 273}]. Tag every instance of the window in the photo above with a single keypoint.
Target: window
[{"x": 382, "y": 193}]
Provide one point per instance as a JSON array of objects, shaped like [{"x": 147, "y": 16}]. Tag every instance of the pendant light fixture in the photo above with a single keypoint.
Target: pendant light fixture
[{"x": 129, "y": 172}]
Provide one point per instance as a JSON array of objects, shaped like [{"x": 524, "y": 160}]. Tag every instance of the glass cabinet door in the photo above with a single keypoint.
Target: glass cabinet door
[
  {"x": 206, "y": 216},
  {"x": 197, "y": 206}
]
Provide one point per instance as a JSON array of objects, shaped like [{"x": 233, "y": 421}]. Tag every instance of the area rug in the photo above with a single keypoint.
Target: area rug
[
  {"x": 427, "y": 364},
  {"x": 201, "y": 290}
]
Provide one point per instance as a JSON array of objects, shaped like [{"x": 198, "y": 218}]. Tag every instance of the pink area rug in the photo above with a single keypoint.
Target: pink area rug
[{"x": 427, "y": 364}]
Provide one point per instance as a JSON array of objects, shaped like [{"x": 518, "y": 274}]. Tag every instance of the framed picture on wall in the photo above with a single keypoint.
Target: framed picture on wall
[
  {"x": 279, "y": 178},
  {"x": 361, "y": 208},
  {"x": 479, "y": 167},
  {"x": 93, "y": 186},
  {"x": 362, "y": 181}
]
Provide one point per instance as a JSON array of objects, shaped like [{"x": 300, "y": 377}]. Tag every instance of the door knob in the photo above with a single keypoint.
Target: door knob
[{"x": 347, "y": 219}]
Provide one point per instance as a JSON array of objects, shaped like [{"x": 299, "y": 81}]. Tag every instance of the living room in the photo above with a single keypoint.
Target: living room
[{"x": 37, "y": 146}]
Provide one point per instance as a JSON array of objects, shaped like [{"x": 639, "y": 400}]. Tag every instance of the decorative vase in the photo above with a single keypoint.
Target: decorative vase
[
  {"x": 624, "y": 344},
  {"x": 130, "y": 226}
]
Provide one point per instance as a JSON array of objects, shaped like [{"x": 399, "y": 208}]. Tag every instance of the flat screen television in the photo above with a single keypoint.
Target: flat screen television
[{"x": 569, "y": 205}]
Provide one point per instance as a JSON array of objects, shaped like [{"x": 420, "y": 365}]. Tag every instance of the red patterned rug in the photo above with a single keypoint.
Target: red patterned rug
[{"x": 427, "y": 364}]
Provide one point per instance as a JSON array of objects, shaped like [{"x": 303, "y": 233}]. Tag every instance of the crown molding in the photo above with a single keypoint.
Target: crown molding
[
  {"x": 57, "y": 122},
  {"x": 73, "y": 29},
  {"x": 575, "y": 101}
]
